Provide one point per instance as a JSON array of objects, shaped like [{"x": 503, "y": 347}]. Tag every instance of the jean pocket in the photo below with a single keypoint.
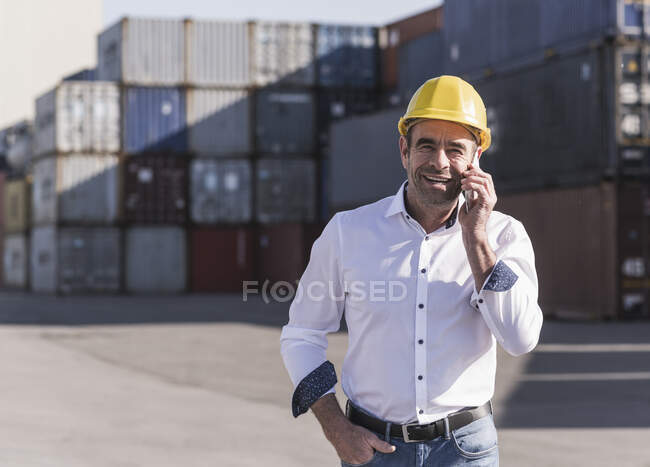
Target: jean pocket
[
  {"x": 368, "y": 462},
  {"x": 476, "y": 439}
]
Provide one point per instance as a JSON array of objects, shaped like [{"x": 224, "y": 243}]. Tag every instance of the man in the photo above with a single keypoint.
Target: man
[{"x": 419, "y": 372}]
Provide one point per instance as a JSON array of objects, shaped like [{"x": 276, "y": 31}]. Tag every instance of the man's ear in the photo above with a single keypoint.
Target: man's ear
[
  {"x": 404, "y": 151},
  {"x": 479, "y": 152}
]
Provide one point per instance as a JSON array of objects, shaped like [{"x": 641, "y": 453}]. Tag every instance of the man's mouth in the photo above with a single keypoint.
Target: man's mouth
[{"x": 434, "y": 179}]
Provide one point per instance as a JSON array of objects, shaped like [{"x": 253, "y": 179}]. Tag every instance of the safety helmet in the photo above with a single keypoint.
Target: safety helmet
[{"x": 452, "y": 99}]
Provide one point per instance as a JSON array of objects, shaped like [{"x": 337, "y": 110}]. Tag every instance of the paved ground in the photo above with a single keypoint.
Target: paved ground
[{"x": 198, "y": 381}]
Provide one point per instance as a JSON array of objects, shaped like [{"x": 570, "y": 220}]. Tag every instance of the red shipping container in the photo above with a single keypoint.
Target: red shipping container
[
  {"x": 283, "y": 250},
  {"x": 221, "y": 259}
]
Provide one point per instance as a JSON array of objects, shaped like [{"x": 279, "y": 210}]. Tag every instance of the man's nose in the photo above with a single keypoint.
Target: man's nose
[{"x": 439, "y": 160}]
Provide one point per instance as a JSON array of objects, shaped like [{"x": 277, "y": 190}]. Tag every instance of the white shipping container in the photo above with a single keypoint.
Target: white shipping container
[
  {"x": 15, "y": 260},
  {"x": 218, "y": 122},
  {"x": 77, "y": 188},
  {"x": 155, "y": 259},
  {"x": 283, "y": 52},
  {"x": 218, "y": 53},
  {"x": 78, "y": 116},
  {"x": 75, "y": 259},
  {"x": 142, "y": 51},
  {"x": 220, "y": 191}
]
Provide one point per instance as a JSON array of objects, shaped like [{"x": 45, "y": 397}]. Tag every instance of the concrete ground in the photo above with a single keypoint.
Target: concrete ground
[{"x": 198, "y": 381}]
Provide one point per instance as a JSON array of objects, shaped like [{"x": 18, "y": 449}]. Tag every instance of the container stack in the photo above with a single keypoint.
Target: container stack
[
  {"x": 75, "y": 238},
  {"x": 16, "y": 144}
]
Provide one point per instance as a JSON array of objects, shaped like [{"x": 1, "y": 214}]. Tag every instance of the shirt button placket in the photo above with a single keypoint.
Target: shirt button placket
[{"x": 421, "y": 327}]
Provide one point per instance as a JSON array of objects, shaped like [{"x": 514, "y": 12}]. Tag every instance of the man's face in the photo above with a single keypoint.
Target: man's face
[{"x": 440, "y": 151}]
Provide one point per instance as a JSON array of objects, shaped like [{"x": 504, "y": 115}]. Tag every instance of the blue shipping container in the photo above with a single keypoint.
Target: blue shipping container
[
  {"x": 419, "y": 60},
  {"x": 346, "y": 55},
  {"x": 154, "y": 120}
]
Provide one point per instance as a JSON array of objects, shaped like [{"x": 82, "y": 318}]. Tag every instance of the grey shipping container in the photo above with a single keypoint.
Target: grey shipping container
[
  {"x": 346, "y": 55},
  {"x": 17, "y": 203},
  {"x": 537, "y": 25},
  {"x": 285, "y": 121},
  {"x": 79, "y": 188},
  {"x": 221, "y": 191},
  {"x": 365, "y": 147},
  {"x": 68, "y": 260},
  {"x": 15, "y": 260},
  {"x": 155, "y": 259},
  {"x": 283, "y": 53},
  {"x": 17, "y": 145},
  {"x": 155, "y": 189},
  {"x": 78, "y": 116},
  {"x": 219, "y": 122},
  {"x": 286, "y": 190},
  {"x": 419, "y": 60},
  {"x": 142, "y": 51},
  {"x": 218, "y": 53}
]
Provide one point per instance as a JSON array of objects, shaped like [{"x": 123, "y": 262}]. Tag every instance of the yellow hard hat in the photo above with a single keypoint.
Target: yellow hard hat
[{"x": 452, "y": 99}]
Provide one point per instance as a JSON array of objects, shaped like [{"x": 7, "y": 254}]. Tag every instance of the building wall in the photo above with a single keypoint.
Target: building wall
[{"x": 40, "y": 42}]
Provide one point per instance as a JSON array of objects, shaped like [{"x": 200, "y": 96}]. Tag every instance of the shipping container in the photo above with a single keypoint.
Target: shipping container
[
  {"x": 219, "y": 122},
  {"x": 283, "y": 53},
  {"x": 142, "y": 51},
  {"x": 220, "y": 191},
  {"x": 221, "y": 259},
  {"x": 283, "y": 252},
  {"x": 15, "y": 260},
  {"x": 78, "y": 116},
  {"x": 155, "y": 189},
  {"x": 218, "y": 53},
  {"x": 539, "y": 27},
  {"x": 86, "y": 74},
  {"x": 79, "y": 188},
  {"x": 365, "y": 148},
  {"x": 155, "y": 259},
  {"x": 285, "y": 121},
  {"x": 400, "y": 32},
  {"x": 17, "y": 145},
  {"x": 346, "y": 55},
  {"x": 154, "y": 120},
  {"x": 17, "y": 202},
  {"x": 419, "y": 60},
  {"x": 338, "y": 103},
  {"x": 71, "y": 260},
  {"x": 286, "y": 190}
]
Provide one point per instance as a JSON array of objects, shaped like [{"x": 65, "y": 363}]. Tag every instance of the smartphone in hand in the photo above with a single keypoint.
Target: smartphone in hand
[{"x": 471, "y": 194}]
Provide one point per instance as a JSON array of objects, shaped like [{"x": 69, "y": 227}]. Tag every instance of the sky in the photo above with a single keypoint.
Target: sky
[{"x": 375, "y": 12}]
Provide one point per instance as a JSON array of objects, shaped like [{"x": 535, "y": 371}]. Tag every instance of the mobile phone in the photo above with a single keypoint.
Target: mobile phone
[{"x": 471, "y": 194}]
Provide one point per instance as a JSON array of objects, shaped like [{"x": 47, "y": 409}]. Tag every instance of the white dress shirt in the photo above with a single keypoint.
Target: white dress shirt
[{"x": 422, "y": 339}]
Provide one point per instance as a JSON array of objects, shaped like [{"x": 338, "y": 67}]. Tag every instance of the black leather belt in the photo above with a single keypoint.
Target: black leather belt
[{"x": 414, "y": 432}]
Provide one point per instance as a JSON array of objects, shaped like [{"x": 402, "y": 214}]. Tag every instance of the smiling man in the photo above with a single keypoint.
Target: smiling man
[{"x": 420, "y": 367}]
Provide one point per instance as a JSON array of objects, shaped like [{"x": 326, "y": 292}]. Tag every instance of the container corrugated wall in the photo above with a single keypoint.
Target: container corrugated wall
[
  {"x": 419, "y": 60},
  {"x": 75, "y": 259},
  {"x": 76, "y": 189},
  {"x": 346, "y": 55},
  {"x": 221, "y": 259},
  {"x": 18, "y": 146},
  {"x": 154, "y": 119},
  {"x": 220, "y": 191},
  {"x": 155, "y": 259},
  {"x": 78, "y": 117},
  {"x": 337, "y": 104},
  {"x": 142, "y": 51},
  {"x": 17, "y": 201},
  {"x": 218, "y": 122},
  {"x": 155, "y": 189},
  {"x": 285, "y": 121},
  {"x": 367, "y": 145},
  {"x": 286, "y": 190},
  {"x": 283, "y": 52},
  {"x": 218, "y": 53},
  {"x": 15, "y": 260}
]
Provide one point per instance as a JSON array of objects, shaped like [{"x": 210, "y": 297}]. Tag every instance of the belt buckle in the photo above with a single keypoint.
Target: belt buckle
[{"x": 405, "y": 433}]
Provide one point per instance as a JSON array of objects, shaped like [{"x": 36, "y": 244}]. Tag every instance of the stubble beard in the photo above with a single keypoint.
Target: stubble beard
[{"x": 428, "y": 197}]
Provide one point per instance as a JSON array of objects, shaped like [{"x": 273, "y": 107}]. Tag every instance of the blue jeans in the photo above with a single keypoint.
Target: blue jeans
[{"x": 473, "y": 444}]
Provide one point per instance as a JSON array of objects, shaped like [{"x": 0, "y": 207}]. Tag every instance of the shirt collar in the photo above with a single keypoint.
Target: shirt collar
[{"x": 397, "y": 205}]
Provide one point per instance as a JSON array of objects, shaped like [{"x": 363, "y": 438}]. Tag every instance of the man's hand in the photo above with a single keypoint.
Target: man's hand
[
  {"x": 475, "y": 221},
  {"x": 353, "y": 443}
]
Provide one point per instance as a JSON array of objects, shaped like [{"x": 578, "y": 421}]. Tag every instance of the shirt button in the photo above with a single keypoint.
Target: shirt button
[
  {"x": 421, "y": 411},
  {"x": 420, "y": 341},
  {"x": 426, "y": 238},
  {"x": 408, "y": 217},
  {"x": 423, "y": 270},
  {"x": 420, "y": 377},
  {"x": 421, "y": 305},
  {"x": 480, "y": 300}
]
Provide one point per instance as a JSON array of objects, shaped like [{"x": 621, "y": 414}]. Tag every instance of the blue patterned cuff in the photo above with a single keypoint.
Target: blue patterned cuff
[
  {"x": 501, "y": 279},
  {"x": 312, "y": 387}
]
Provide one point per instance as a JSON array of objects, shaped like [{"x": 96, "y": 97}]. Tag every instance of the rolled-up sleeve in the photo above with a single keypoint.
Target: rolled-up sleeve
[
  {"x": 508, "y": 299},
  {"x": 315, "y": 311}
]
